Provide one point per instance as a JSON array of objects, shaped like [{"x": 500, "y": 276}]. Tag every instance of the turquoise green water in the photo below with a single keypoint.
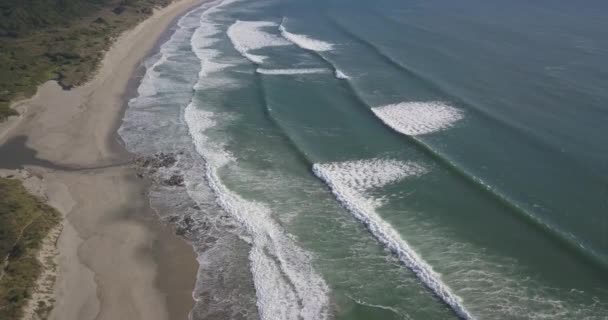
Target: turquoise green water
[{"x": 387, "y": 159}]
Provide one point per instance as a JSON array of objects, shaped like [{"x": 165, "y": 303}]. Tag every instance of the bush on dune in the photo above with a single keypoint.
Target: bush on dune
[
  {"x": 24, "y": 223},
  {"x": 63, "y": 40}
]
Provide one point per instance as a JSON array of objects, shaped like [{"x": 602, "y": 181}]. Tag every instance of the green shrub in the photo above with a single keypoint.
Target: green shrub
[
  {"x": 41, "y": 40},
  {"x": 24, "y": 223}
]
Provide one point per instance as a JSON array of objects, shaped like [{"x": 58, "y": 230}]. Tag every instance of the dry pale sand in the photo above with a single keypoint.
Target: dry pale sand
[{"x": 115, "y": 260}]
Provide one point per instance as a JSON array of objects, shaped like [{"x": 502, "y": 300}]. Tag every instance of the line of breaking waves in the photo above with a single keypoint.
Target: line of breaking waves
[
  {"x": 524, "y": 133},
  {"x": 371, "y": 174},
  {"x": 413, "y": 119},
  {"x": 286, "y": 284},
  {"x": 444, "y": 113},
  {"x": 248, "y": 36},
  {"x": 350, "y": 182}
]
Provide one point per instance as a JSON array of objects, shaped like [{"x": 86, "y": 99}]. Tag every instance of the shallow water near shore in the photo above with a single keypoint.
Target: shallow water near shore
[{"x": 385, "y": 160}]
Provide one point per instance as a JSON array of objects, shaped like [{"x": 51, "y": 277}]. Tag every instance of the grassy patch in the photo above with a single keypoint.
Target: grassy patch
[
  {"x": 64, "y": 40},
  {"x": 24, "y": 223}
]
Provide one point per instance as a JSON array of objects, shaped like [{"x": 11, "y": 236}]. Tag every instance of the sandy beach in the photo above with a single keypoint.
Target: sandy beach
[{"x": 115, "y": 261}]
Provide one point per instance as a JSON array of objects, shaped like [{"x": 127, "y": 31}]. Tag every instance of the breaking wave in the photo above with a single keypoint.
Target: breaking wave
[
  {"x": 248, "y": 36},
  {"x": 305, "y": 42},
  {"x": 351, "y": 182},
  {"x": 417, "y": 118},
  {"x": 286, "y": 284}
]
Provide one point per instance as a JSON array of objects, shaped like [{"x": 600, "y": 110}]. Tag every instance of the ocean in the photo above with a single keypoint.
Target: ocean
[{"x": 385, "y": 159}]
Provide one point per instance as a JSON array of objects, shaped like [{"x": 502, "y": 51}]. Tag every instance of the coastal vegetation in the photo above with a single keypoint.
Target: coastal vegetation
[
  {"x": 64, "y": 40},
  {"x": 24, "y": 222}
]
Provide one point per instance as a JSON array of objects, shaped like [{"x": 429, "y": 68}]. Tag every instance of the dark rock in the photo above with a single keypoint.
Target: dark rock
[
  {"x": 188, "y": 222},
  {"x": 159, "y": 160},
  {"x": 163, "y": 160},
  {"x": 175, "y": 180},
  {"x": 210, "y": 240}
]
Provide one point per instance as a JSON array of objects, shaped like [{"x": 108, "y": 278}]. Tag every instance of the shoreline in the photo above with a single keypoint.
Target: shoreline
[{"x": 116, "y": 259}]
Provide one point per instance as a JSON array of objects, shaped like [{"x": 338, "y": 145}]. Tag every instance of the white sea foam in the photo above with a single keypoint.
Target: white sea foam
[
  {"x": 201, "y": 41},
  {"x": 351, "y": 182},
  {"x": 365, "y": 175},
  {"x": 341, "y": 75},
  {"x": 291, "y": 71},
  {"x": 418, "y": 118},
  {"x": 157, "y": 89},
  {"x": 305, "y": 42},
  {"x": 287, "y": 286},
  {"x": 212, "y": 61},
  {"x": 249, "y": 35},
  {"x": 151, "y": 84}
]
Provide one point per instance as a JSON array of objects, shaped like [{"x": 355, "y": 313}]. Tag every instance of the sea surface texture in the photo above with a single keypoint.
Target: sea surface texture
[{"x": 387, "y": 159}]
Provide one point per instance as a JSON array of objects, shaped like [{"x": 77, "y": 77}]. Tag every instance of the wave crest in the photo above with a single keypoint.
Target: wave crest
[
  {"x": 249, "y": 35},
  {"x": 305, "y": 42},
  {"x": 350, "y": 182},
  {"x": 418, "y": 118}
]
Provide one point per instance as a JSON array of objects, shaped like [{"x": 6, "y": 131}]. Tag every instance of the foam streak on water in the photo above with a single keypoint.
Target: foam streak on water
[
  {"x": 303, "y": 41},
  {"x": 286, "y": 284},
  {"x": 291, "y": 71},
  {"x": 351, "y": 182},
  {"x": 418, "y": 118}
]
